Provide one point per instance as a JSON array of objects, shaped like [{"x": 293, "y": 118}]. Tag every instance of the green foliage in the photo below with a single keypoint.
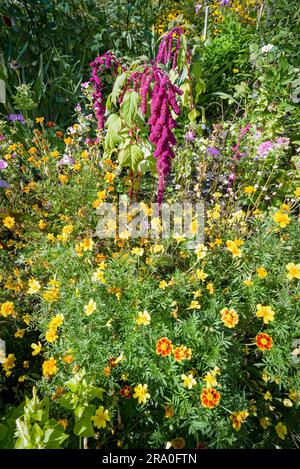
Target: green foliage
[{"x": 35, "y": 430}]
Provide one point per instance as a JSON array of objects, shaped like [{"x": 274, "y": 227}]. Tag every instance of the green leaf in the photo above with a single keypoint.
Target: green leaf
[
  {"x": 117, "y": 87},
  {"x": 113, "y": 125},
  {"x": 130, "y": 106},
  {"x": 193, "y": 115},
  {"x": 131, "y": 156}
]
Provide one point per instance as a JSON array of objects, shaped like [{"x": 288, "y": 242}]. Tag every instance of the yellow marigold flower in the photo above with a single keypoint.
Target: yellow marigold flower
[
  {"x": 98, "y": 276},
  {"x": 281, "y": 430},
  {"x": 51, "y": 295},
  {"x": 210, "y": 288},
  {"x": 234, "y": 247},
  {"x": 7, "y": 309},
  {"x": 68, "y": 359},
  {"x": 26, "y": 364},
  {"x": 182, "y": 353},
  {"x": 9, "y": 222},
  {"x": 265, "y": 422},
  {"x": 261, "y": 272},
  {"x": 51, "y": 336},
  {"x": 249, "y": 190},
  {"x": 49, "y": 367},
  {"x": 297, "y": 192},
  {"x": 87, "y": 244},
  {"x": 210, "y": 377},
  {"x": 143, "y": 318},
  {"x": 287, "y": 402},
  {"x": 141, "y": 393},
  {"x": 248, "y": 282},
  {"x": 201, "y": 251},
  {"x": 188, "y": 381},
  {"x": 268, "y": 396},
  {"x": 137, "y": 251},
  {"x": 163, "y": 284},
  {"x": 282, "y": 219},
  {"x": 109, "y": 177},
  {"x": 177, "y": 443},
  {"x": 67, "y": 230},
  {"x": 235, "y": 70},
  {"x": 68, "y": 140},
  {"x": 157, "y": 248},
  {"x": 32, "y": 150},
  {"x": 229, "y": 317},
  {"x": 9, "y": 363},
  {"x": 19, "y": 334},
  {"x": 56, "y": 321},
  {"x": 64, "y": 423},
  {"x": 200, "y": 274},
  {"x": 36, "y": 348},
  {"x": 33, "y": 286},
  {"x": 63, "y": 178},
  {"x": 265, "y": 312},
  {"x": 238, "y": 418},
  {"x": 194, "y": 305},
  {"x": 90, "y": 307},
  {"x": 39, "y": 120},
  {"x": 293, "y": 271},
  {"x": 100, "y": 418}
]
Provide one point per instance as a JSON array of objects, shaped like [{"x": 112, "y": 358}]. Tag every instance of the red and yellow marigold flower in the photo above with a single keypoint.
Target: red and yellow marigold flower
[
  {"x": 210, "y": 398},
  {"x": 229, "y": 317},
  {"x": 164, "y": 347},
  {"x": 238, "y": 418},
  {"x": 182, "y": 353},
  {"x": 264, "y": 341}
]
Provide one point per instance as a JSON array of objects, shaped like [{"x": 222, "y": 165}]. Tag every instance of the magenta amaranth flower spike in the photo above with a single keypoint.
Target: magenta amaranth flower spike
[
  {"x": 105, "y": 61},
  {"x": 164, "y": 54}
]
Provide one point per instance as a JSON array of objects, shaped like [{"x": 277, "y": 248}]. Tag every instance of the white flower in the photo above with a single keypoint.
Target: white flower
[{"x": 267, "y": 48}]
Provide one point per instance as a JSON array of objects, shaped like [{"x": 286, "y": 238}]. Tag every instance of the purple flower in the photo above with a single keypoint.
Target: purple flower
[
  {"x": 15, "y": 118},
  {"x": 2, "y": 138},
  {"x": 198, "y": 7},
  {"x": 85, "y": 84},
  {"x": 3, "y": 164},
  {"x": 213, "y": 151},
  {"x": 66, "y": 160},
  {"x": 4, "y": 184},
  {"x": 264, "y": 149},
  {"x": 283, "y": 141},
  {"x": 224, "y": 2},
  {"x": 190, "y": 136}
]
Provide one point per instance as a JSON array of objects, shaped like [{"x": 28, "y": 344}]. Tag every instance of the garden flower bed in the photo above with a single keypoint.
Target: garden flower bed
[{"x": 116, "y": 335}]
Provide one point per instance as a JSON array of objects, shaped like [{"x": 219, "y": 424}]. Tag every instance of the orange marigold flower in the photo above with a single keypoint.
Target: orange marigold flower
[
  {"x": 182, "y": 353},
  {"x": 164, "y": 347},
  {"x": 210, "y": 398},
  {"x": 264, "y": 341},
  {"x": 229, "y": 317}
]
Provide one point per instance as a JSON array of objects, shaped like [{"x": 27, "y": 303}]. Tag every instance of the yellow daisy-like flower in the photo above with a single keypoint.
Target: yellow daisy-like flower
[
  {"x": 7, "y": 309},
  {"x": 33, "y": 286},
  {"x": 36, "y": 348},
  {"x": 297, "y": 192},
  {"x": 101, "y": 417},
  {"x": 49, "y": 367},
  {"x": 137, "y": 251},
  {"x": 90, "y": 307},
  {"x": 194, "y": 305},
  {"x": 293, "y": 271},
  {"x": 9, "y": 222},
  {"x": 281, "y": 430},
  {"x": 249, "y": 190},
  {"x": 51, "y": 336},
  {"x": 141, "y": 393},
  {"x": 56, "y": 321},
  {"x": 188, "y": 381},
  {"x": 143, "y": 318},
  {"x": 261, "y": 272},
  {"x": 282, "y": 219},
  {"x": 265, "y": 312}
]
